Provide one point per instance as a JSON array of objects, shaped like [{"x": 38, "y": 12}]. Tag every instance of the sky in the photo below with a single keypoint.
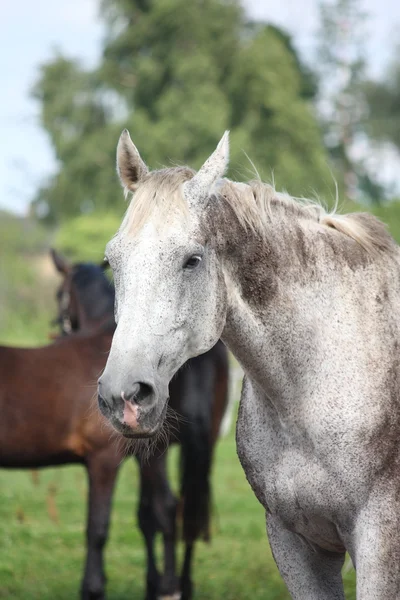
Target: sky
[{"x": 32, "y": 31}]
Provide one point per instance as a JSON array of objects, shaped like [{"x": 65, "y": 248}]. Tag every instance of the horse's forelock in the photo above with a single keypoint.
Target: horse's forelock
[{"x": 157, "y": 196}]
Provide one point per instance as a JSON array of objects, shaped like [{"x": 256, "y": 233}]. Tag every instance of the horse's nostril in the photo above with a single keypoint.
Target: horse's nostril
[{"x": 139, "y": 393}]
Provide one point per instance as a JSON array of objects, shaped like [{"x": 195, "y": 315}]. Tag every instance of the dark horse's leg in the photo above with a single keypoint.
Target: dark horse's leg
[
  {"x": 148, "y": 526},
  {"x": 157, "y": 512},
  {"x": 195, "y": 491},
  {"x": 203, "y": 398},
  {"x": 102, "y": 470},
  {"x": 186, "y": 578}
]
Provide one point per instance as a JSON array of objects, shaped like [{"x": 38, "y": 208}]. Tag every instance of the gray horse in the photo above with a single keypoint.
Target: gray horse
[{"x": 309, "y": 303}]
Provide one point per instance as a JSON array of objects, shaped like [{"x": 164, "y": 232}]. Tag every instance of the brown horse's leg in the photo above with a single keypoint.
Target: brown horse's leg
[
  {"x": 157, "y": 512},
  {"x": 102, "y": 471}
]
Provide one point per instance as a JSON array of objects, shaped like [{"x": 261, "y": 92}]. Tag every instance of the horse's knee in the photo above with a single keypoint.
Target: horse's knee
[
  {"x": 171, "y": 504},
  {"x": 165, "y": 508},
  {"x": 96, "y": 536}
]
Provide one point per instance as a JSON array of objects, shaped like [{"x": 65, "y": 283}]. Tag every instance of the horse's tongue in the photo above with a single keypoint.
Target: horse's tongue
[{"x": 130, "y": 414}]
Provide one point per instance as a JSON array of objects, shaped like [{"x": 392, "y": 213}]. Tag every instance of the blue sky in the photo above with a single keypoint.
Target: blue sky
[{"x": 31, "y": 31}]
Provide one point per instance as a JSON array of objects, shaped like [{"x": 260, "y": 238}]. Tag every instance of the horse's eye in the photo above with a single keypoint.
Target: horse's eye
[{"x": 193, "y": 262}]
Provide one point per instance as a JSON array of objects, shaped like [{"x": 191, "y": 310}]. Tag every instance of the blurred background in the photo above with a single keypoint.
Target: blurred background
[{"x": 311, "y": 93}]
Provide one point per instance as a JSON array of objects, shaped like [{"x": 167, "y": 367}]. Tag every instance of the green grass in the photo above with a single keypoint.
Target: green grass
[{"x": 42, "y": 558}]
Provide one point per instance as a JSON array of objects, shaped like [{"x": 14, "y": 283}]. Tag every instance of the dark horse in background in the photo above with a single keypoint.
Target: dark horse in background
[{"x": 48, "y": 419}]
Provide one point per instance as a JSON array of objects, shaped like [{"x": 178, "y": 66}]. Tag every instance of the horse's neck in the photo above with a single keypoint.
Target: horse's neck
[
  {"x": 281, "y": 304},
  {"x": 258, "y": 277},
  {"x": 312, "y": 337},
  {"x": 257, "y": 343}
]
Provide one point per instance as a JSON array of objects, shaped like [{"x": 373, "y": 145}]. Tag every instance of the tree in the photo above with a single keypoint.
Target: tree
[
  {"x": 342, "y": 67},
  {"x": 383, "y": 99},
  {"x": 84, "y": 237},
  {"x": 177, "y": 77},
  {"x": 308, "y": 78},
  {"x": 26, "y": 294}
]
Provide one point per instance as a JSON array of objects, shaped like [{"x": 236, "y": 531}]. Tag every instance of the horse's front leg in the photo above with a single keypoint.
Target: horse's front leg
[
  {"x": 186, "y": 577},
  {"x": 376, "y": 546},
  {"x": 149, "y": 527},
  {"x": 164, "y": 505},
  {"x": 308, "y": 572},
  {"x": 102, "y": 470}
]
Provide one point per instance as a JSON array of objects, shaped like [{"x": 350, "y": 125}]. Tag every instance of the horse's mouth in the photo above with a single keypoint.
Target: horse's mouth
[{"x": 147, "y": 427}]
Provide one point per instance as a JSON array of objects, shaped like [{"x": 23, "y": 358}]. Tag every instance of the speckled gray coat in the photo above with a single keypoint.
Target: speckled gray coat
[{"x": 310, "y": 306}]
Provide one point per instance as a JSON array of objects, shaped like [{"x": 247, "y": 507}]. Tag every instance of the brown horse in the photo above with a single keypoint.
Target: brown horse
[{"x": 55, "y": 385}]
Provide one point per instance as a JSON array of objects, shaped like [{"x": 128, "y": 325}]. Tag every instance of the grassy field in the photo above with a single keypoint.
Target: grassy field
[
  {"x": 42, "y": 528},
  {"x": 42, "y": 523}
]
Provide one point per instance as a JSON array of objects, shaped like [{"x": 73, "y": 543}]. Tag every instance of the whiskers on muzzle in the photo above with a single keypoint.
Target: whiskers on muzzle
[{"x": 145, "y": 447}]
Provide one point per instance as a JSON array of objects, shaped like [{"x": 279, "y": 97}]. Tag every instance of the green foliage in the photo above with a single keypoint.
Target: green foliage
[
  {"x": 28, "y": 277},
  {"x": 177, "y": 78},
  {"x": 236, "y": 565},
  {"x": 288, "y": 142},
  {"x": 309, "y": 82},
  {"x": 383, "y": 98},
  {"x": 25, "y": 292},
  {"x": 389, "y": 213},
  {"x": 83, "y": 238},
  {"x": 341, "y": 62}
]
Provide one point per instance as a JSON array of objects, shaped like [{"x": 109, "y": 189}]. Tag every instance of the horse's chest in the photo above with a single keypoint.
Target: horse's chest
[{"x": 285, "y": 478}]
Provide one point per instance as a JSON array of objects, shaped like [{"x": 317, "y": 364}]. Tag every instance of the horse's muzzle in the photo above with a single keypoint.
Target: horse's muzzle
[{"x": 134, "y": 409}]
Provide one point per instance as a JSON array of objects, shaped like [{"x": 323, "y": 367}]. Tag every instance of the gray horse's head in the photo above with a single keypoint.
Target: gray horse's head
[{"x": 170, "y": 289}]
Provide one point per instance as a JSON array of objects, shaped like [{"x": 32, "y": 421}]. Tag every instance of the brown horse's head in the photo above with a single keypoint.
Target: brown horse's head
[{"x": 85, "y": 297}]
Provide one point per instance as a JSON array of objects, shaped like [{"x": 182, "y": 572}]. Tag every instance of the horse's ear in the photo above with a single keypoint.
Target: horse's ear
[
  {"x": 213, "y": 169},
  {"x": 130, "y": 167},
  {"x": 62, "y": 265}
]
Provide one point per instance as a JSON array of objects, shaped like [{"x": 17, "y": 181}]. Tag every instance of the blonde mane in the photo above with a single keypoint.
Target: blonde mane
[{"x": 255, "y": 204}]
